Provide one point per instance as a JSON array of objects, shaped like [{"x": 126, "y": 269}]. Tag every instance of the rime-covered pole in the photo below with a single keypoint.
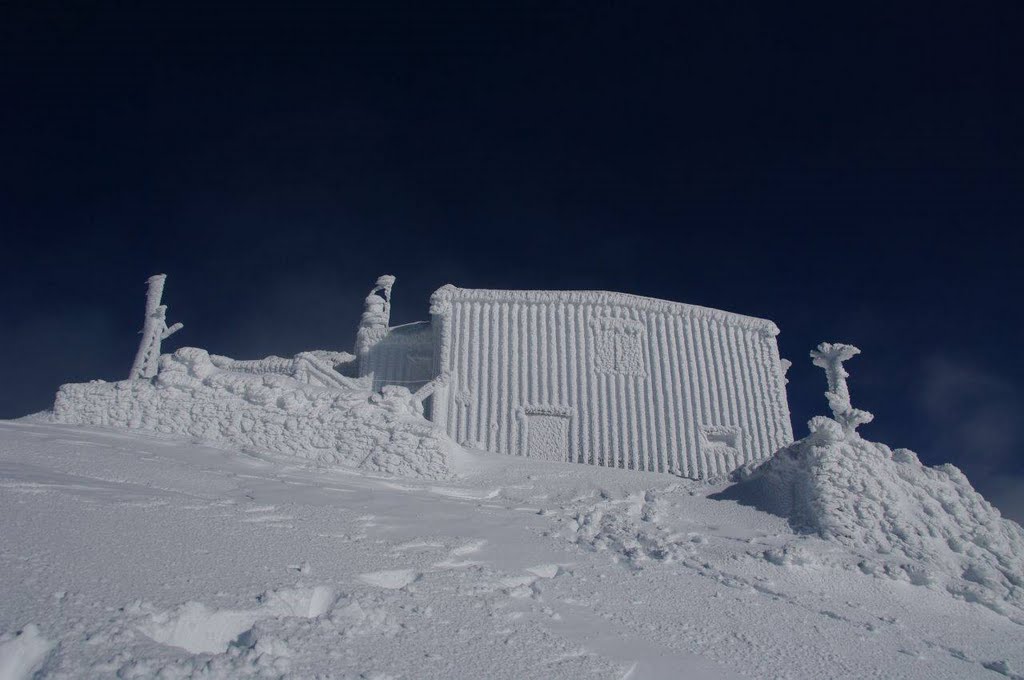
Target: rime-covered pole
[
  {"x": 830, "y": 356},
  {"x": 373, "y": 325},
  {"x": 154, "y": 330}
]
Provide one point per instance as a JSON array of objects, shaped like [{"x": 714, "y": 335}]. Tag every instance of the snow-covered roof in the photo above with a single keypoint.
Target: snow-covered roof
[{"x": 449, "y": 293}]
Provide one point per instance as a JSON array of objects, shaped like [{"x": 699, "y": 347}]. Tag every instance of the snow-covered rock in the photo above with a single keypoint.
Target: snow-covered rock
[
  {"x": 911, "y": 522},
  {"x": 330, "y": 422}
]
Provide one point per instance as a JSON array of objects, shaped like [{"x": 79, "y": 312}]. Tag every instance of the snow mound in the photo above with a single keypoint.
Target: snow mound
[
  {"x": 910, "y": 522},
  {"x": 629, "y": 529},
  {"x": 197, "y": 628},
  {"x": 22, "y": 653},
  {"x": 273, "y": 640},
  {"x": 295, "y": 407}
]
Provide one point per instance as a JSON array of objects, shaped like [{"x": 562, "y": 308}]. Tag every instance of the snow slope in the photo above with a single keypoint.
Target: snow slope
[
  {"x": 924, "y": 525},
  {"x": 140, "y": 555}
]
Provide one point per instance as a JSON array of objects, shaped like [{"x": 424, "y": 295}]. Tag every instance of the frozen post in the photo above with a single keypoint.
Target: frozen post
[
  {"x": 373, "y": 325},
  {"x": 154, "y": 330},
  {"x": 384, "y": 284},
  {"x": 831, "y": 357}
]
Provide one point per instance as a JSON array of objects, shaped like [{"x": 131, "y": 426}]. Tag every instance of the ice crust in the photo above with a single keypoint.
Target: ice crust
[
  {"x": 296, "y": 407},
  {"x": 911, "y": 522}
]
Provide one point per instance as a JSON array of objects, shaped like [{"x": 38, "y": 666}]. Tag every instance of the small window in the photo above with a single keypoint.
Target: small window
[
  {"x": 724, "y": 438},
  {"x": 618, "y": 348},
  {"x": 730, "y": 439}
]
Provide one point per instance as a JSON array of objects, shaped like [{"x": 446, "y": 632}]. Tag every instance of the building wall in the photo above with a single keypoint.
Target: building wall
[{"x": 643, "y": 383}]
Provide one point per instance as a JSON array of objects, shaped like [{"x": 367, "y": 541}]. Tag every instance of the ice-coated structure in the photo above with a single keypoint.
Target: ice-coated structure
[
  {"x": 154, "y": 330},
  {"x": 587, "y": 376},
  {"x": 584, "y": 376},
  {"x": 830, "y": 357}
]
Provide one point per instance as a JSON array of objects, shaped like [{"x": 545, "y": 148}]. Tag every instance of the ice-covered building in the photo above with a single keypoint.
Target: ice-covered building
[{"x": 587, "y": 376}]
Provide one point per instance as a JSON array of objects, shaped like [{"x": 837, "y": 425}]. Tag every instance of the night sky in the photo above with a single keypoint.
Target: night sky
[{"x": 852, "y": 171}]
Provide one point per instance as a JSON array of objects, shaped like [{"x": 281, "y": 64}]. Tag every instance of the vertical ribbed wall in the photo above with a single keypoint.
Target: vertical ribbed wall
[{"x": 507, "y": 357}]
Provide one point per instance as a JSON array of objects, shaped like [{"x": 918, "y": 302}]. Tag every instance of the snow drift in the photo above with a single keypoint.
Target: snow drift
[
  {"x": 296, "y": 407},
  {"x": 22, "y": 653},
  {"x": 925, "y": 525}
]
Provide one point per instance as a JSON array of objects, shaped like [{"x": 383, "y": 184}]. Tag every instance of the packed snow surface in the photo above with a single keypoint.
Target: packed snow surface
[
  {"x": 264, "y": 406},
  {"x": 140, "y": 555},
  {"x": 22, "y": 652},
  {"x": 924, "y": 525}
]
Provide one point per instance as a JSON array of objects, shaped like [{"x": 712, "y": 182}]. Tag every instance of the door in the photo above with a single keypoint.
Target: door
[{"x": 547, "y": 436}]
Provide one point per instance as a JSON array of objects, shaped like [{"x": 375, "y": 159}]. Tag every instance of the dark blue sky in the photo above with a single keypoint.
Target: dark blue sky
[{"x": 855, "y": 173}]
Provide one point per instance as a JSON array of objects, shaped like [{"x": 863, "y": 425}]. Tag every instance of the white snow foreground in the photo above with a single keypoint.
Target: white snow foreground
[
  {"x": 129, "y": 555},
  {"x": 911, "y": 522},
  {"x": 296, "y": 407},
  {"x": 22, "y": 652}
]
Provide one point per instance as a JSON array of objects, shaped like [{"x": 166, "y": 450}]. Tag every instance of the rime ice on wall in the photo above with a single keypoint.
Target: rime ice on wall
[
  {"x": 275, "y": 405},
  {"x": 608, "y": 378}
]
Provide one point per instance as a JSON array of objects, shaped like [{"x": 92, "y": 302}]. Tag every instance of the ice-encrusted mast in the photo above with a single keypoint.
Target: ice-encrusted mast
[
  {"x": 830, "y": 356},
  {"x": 154, "y": 330},
  {"x": 373, "y": 325}
]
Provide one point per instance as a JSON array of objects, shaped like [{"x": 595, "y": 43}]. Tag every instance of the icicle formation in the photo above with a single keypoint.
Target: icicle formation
[
  {"x": 830, "y": 357},
  {"x": 154, "y": 330}
]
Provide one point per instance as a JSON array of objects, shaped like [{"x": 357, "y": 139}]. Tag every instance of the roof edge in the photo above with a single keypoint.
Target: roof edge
[{"x": 445, "y": 295}]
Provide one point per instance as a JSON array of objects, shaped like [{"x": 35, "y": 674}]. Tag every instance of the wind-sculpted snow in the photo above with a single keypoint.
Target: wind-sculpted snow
[
  {"x": 22, "y": 653},
  {"x": 911, "y": 522},
  {"x": 129, "y": 555},
  {"x": 269, "y": 412},
  {"x": 628, "y": 528}
]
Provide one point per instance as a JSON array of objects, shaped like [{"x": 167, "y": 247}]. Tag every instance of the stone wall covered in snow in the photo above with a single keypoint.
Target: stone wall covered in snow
[{"x": 293, "y": 407}]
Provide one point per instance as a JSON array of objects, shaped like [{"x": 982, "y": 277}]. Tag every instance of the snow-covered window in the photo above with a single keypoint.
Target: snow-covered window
[
  {"x": 618, "y": 348},
  {"x": 721, "y": 438}
]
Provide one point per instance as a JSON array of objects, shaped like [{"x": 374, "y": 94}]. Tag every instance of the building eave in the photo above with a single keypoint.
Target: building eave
[{"x": 449, "y": 293}]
